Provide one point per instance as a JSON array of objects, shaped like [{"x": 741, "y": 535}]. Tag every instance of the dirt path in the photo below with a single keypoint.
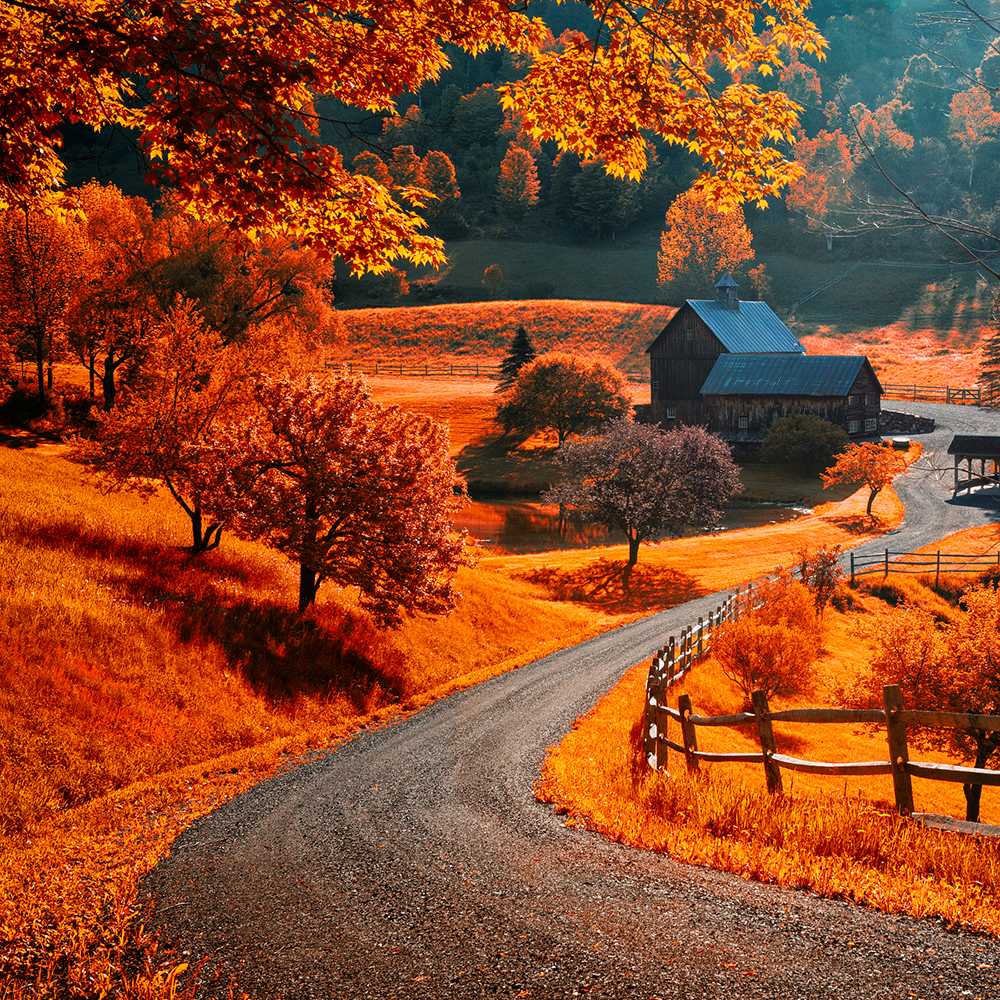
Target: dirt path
[{"x": 414, "y": 861}]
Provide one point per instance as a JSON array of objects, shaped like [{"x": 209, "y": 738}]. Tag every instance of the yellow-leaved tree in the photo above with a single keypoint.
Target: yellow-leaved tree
[{"x": 222, "y": 98}]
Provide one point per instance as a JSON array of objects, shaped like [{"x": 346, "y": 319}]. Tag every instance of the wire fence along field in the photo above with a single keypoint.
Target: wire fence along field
[{"x": 674, "y": 660}]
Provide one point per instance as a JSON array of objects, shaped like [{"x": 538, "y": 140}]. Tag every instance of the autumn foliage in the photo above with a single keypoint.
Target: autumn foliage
[
  {"x": 562, "y": 393},
  {"x": 700, "y": 243},
  {"x": 774, "y": 641},
  {"x": 230, "y": 93},
  {"x": 868, "y": 462}
]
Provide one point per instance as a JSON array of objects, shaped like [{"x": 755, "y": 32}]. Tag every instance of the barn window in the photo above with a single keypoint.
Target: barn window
[
  {"x": 853, "y": 426},
  {"x": 871, "y": 424},
  {"x": 656, "y": 385},
  {"x": 743, "y": 422},
  {"x": 853, "y": 400},
  {"x": 671, "y": 412},
  {"x": 688, "y": 333}
]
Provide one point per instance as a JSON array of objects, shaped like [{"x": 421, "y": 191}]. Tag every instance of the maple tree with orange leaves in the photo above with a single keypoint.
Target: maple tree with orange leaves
[
  {"x": 867, "y": 462},
  {"x": 700, "y": 242},
  {"x": 221, "y": 99},
  {"x": 974, "y": 121},
  {"x": 517, "y": 186}
]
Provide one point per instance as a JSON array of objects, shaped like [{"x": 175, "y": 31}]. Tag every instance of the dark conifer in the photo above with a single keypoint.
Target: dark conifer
[{"x": 522, "y": 352}]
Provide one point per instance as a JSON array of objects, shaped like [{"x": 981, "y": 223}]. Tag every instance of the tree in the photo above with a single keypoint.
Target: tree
[
  {"x": 974, "y": 122},
  {"x": 517, "y": 186},
  {"x": 868, "y": 462},
  {"x": 700, "y": 243},
  {"x": 439, "y": 179},
  {"x": 159, "y": 431},
  {"x": 823, "y": 188},
  {"x": 802, "y": 437},
  {"x": 953, "y": 667},
  {"x": 821, "y": 572},
  {"x": 41, "y": 258},
  {"x": 357, "y": 493},
  {"x": 227, "y": 92},
  {"x": 109, "y": 320},
  {"x": 642, "y": 479},
  {"x": 522, "y": 352},
  {"x": 494, "y": 281},
  {"x": 773, "y": 641},
  {"x": 563, "y": 393}
]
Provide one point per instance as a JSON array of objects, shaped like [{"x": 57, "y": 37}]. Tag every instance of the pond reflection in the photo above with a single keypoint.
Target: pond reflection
[{"x": 521, "y": 526}]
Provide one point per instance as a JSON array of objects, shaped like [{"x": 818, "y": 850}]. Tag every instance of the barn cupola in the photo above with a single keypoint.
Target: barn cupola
[{"x": 725, "y": 291}]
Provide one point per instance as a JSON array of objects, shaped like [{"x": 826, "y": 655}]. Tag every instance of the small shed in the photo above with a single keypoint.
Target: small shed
[
  {"x": 699, "y": 333},
  {"x": 745, "y": 393},
  {"x": 969, "y": 449}
]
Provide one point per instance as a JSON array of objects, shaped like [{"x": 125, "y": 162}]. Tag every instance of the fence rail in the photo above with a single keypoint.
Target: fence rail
[
  {"x": 894, "y": 717},
  {"x": 434, "y": 370},
  {"x": 977, "y": 396},
  {"x": 920, "y": 562}
]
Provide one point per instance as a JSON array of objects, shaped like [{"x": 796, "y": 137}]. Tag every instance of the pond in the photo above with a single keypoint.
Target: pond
[{"x": 524, "y": 526}]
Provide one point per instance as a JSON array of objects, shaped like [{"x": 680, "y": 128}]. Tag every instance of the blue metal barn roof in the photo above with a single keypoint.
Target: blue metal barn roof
[
  {"x": 783, "y": 375},
  {"x": 753, "y": 328}
]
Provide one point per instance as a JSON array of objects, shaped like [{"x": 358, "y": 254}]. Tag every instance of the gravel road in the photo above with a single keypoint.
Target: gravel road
[{"x": 413, "y": 861}]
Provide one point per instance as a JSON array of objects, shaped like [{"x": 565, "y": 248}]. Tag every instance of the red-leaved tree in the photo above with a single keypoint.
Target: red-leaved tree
[{"x": 355, "y": 492}]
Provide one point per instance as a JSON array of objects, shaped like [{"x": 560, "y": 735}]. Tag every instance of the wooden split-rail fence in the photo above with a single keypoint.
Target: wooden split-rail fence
[
  {"x": 921, "y": 562},
  {"x": 895, "y": 717},
  {"x": 672, "y": 662}
]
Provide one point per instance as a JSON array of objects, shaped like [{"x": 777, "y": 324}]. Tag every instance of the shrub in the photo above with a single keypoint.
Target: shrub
[
  {"x": 771, "y": 647},
  {"x": 805, "y": 438}
]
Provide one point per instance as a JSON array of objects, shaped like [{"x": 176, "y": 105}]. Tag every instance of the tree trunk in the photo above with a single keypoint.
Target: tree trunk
[
  {"x": 633, "y": 558},
  {"x": 973, "y": 793},
  {"x": 40, "y": 362},
  {"x": 49, "y": 353},
  {"x": 871, "y": 499},
  {"x": 308, "y": 586},
  {"x": 108, "y": 382},
  {"x": 202, "y": 540},
  {"x": 93, "y": 362}
]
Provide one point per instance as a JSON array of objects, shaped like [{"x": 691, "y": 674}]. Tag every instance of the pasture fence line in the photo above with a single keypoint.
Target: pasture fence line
[
  {"x": 407, "y": 369},
  {"x": 920, "y": 562},
  {"x": 895, "y": 717},
  {"x": 977, "y": 396}
]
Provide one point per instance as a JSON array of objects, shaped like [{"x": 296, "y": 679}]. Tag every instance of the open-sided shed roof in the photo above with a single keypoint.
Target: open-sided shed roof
[
  {"x": 975, "y": 445},
  {"x": 784, "y": 375}
]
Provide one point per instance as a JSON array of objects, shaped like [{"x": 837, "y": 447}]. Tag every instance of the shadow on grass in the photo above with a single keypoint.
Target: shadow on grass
[
  {"x": 853, "y": 524},
  {"x": 599, "y": 584},
  {"x": 280, "y": 653}
]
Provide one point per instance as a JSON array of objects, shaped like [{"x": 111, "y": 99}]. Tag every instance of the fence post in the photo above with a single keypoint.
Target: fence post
[
  {"x": 767, "y": 745},
  {"x": 896, "y": 733},
  {"x": 937, "y": 571},
  {"x": 852, "y": 569},
  {"x": 701, "y": 636},
  {"x": 886, "y": 562},
  {"x": 687, "y": 731}
]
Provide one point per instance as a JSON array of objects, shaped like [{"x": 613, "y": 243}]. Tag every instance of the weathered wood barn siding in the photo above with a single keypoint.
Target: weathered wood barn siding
[
  {"x": 682, "y": 357},
  {"x": 743, "y": 396},
  {"x": 685, "y": 354}
]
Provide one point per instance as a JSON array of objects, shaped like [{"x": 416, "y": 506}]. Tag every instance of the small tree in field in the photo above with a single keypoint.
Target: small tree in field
[
  {"x": 870, "y": 463},
  {"x": 565, "y": 394},
  {"x": 642, "y": 479},
  {"x": 820, "y": 571},
  {"x": 355, "y": 492},
  {"x": 494, "y": 281},
  {"x": 802, "y": 437},
  {"x": 771, "y": 647},
  {"x": 517, "y": 186},
  {"x": 522, "y": 352}
]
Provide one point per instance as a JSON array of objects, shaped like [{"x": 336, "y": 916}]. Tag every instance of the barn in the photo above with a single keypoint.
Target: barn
[
  {"x": 735, "y": 367},
  {"x": 745, "y": 393}
]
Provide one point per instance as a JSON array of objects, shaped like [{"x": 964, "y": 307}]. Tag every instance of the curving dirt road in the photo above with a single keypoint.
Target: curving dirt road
[{"x": 413, "y": 861}]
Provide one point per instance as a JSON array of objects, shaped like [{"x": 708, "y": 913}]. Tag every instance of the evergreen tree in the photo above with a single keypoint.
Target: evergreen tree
[{"x": 522, "y": 352}]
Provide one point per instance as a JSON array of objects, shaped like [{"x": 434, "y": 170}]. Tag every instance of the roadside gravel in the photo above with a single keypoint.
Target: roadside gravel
[{"x": 414, "y": 861}]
